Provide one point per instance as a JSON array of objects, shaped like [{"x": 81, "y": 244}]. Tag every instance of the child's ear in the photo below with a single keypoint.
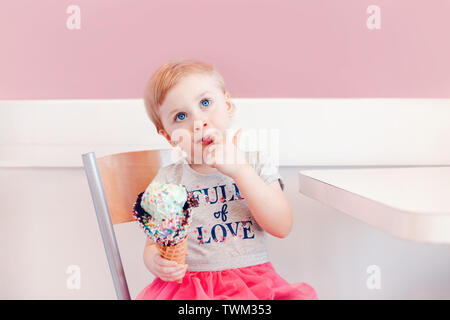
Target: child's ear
[{"x": 230, "y": 105}]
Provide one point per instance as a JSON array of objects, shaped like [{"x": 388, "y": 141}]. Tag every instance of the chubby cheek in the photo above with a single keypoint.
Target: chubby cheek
[
  {"x": 221, "y": 119},
  {"x": 187, "y": 147}
]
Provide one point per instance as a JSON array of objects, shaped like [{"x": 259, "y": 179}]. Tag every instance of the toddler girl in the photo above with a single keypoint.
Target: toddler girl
[{"x": 239, "y": 200}]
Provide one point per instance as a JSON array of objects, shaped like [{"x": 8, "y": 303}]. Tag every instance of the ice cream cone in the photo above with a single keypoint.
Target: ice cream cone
[
  {"x": 176, "y": 253},
  {"x": 163, "y": 210}
]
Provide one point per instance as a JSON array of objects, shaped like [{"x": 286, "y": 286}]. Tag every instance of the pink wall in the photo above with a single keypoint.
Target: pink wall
[{"x": 289, "y": 48}]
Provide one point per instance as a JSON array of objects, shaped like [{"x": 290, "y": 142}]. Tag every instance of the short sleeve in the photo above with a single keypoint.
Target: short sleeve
[{"x": 267, "y": 169}]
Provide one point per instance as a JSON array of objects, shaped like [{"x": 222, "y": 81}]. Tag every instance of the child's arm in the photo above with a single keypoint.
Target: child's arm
[
  {"x": 267, "y": 202},
  {"x": 164, "y": 269}
]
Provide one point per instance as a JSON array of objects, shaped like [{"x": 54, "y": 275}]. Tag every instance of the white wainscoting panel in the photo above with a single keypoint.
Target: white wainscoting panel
[{"x": 311, "y": 132}]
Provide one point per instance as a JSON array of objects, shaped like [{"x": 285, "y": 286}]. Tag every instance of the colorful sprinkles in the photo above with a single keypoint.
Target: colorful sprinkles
[{"x": 167, "y": 232}]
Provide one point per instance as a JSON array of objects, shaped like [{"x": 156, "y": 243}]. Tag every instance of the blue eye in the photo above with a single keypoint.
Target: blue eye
[
  {"x": 205, "y": 102},
  {"x": 180, "y": 116}
]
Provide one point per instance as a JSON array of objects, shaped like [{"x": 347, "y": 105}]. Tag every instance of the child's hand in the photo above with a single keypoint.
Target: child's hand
[
  {"x": 225, "y": 157},
  {"x": 165, "y": 269}
]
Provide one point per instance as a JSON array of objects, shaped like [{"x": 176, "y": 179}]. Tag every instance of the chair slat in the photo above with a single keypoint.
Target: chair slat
[{"x": 125, "y": 175}]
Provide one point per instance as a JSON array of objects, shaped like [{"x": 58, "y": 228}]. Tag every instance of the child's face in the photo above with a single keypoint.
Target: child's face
[{"x": 193, "y": 109}]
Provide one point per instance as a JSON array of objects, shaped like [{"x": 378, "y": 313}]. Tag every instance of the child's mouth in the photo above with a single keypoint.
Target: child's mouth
[{"x": 206, "y": 140}]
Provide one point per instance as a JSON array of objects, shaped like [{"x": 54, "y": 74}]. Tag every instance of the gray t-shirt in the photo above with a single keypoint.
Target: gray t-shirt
[{"x": 223, "y": 233}]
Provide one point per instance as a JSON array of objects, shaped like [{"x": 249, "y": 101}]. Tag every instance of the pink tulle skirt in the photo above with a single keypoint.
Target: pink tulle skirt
[{"x": 258, "y": 282}]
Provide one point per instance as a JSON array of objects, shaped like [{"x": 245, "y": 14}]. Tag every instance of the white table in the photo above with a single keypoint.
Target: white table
[{"x": 411, "y": 203}]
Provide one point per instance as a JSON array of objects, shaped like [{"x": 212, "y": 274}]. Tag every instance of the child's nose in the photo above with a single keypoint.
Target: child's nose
[{"x": 198, "y": 125}]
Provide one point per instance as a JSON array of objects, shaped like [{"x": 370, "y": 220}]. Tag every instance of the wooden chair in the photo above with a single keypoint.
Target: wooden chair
[{"x": 115, "y": 181}]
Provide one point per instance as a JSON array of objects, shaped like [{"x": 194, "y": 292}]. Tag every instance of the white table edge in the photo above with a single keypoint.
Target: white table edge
[{"x": 397, "y": 222}]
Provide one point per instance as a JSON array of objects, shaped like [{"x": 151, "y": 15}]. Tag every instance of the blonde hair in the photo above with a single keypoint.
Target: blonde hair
[{"x": 166, "y": 77}]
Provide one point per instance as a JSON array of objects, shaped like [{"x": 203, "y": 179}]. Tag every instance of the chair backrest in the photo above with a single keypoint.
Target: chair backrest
[
  {"x": 125, "y": 175},
  {"x": 115, "y": 182}
]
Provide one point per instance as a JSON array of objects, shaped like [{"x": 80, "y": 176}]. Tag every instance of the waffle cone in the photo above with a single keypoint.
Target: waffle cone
[{"x": 176, "y": 253}]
